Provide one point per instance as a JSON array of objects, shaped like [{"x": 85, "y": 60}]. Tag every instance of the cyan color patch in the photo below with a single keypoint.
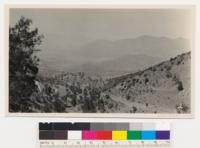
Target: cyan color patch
[{"x": 148, "y": 135}]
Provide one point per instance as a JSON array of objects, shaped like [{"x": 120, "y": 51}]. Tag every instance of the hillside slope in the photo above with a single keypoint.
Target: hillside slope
[{"x": 163, "y": 88}]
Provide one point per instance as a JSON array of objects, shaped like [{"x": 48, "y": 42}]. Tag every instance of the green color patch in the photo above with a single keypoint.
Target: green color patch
[{"x": 134, "y": 135}]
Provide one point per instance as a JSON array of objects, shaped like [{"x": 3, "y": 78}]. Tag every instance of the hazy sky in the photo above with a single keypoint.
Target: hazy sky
[{"x": 67, "y": 29}]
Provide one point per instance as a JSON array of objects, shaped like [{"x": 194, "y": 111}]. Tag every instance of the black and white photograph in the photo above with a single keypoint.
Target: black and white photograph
[{"x": 132, "y": 61}]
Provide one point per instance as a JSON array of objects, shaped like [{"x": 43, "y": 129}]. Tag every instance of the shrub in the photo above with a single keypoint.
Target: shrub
[
  {"x": 154, "y": 69},
  {"x": 59, "y": 106},
  {"x": 145, "y": 75},
  {"x": 128, "y": 97},
  {"x": 180, "y": 86},
  {"x": 179, "y": 62},
  {"x": 146, "y": 80},
  {"x": 168, "y": 68},
  {"x": 168, "y": 75},
  {"x": 110, "y": 105},
  {"x": 101, "y": 106},
  {"x": 134, "y": 109},
  {"x": 182, "y": 108},
  {"x": 179, "y": 83},
  {"x": 89, "y": 106},
  {"x": 73, "y": 101}
]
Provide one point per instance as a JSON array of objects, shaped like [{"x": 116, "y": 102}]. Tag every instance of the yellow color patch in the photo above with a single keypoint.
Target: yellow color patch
[{"x": 119, "y": 135}]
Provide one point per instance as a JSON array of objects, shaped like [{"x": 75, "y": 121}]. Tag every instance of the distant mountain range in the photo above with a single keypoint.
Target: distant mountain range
[
  {"x": 128, "y": 63},
  {"x": 162, "y": 47},
  {"x": 119, "y": 56}
]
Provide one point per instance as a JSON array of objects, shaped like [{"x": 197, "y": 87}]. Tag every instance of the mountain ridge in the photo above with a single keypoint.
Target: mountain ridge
[{"x": 107, "y": 50}]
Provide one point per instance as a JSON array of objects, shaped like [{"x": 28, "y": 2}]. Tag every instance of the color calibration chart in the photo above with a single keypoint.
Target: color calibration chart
[{"x": 104, "y": 135}]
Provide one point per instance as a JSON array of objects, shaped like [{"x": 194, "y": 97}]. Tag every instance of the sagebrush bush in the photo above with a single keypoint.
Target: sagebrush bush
[{"x": 180, "y": 86}]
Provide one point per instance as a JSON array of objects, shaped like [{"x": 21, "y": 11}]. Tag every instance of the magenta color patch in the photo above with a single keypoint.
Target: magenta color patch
[{"x": 88, "y": 135}]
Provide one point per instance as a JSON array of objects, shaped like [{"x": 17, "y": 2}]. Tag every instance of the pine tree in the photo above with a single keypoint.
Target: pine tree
[{"x": 23, "y": 64}]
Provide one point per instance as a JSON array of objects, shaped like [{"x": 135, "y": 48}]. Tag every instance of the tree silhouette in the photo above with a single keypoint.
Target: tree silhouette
[{"x": 23, "y": 64}]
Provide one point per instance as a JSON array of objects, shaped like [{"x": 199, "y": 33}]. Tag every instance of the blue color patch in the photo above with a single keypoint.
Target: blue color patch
[{"x": 148, "y": 135}]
